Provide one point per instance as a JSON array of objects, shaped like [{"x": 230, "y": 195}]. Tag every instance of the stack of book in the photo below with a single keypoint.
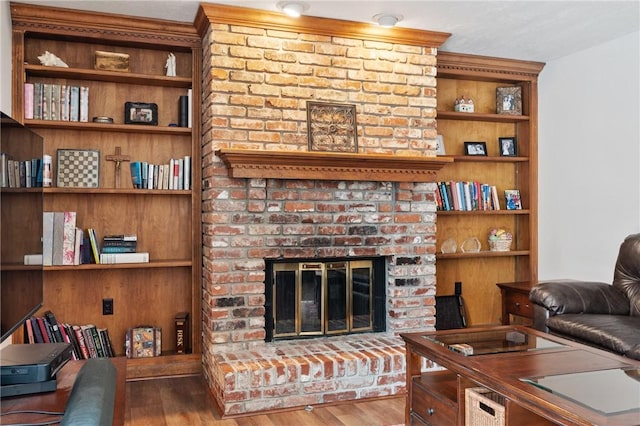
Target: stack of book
[
  {"x": 466, "y": 196},
  {"x": 176, "y": 175},
  {"x": 87, "y": 341},
  {"x": 20, "y": 173},
  {"x": 62, "y": 102},
  {"x": 121, "y": 249}
]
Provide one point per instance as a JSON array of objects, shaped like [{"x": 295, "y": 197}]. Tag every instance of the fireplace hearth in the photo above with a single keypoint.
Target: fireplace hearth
[{"x": 312, "y": 298}]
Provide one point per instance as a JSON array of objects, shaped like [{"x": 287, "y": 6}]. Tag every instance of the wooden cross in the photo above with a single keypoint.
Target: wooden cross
[{"x": 118, "y": 158}]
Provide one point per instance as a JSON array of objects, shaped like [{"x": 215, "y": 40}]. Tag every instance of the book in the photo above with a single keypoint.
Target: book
[
  {"x": 183, "y": 111},
  {"x": 190, "y": 109},
  {"x": 47, "y": 173},
  {"x": 38, "y": 91},
  {"x": 74, "y": 103},
  {"x": 106, "y": 342},
  {"x": 97, "y": 342},
  {"x": 84, "y": 104},
  {"x": 112, "y": 258},
  {"x": 58, "y": 238},
  {"x": 81, "y": 342},
  {"x": 182, "y": 332},
  {"x": 88, "y": 340},
  {"x": 37, "y": 332},
  {"x": 136, "y": 174},
  {"x": 187, "y": 172},
  {"x": 53, "y": 325},
  {"x": 118, "y": 249},
  {"x": 44, "y": 330},
  {"x": 28, "y": 100},
  {"x": 55, "y": 102},
  {"x": 93, "y": 240},
  {"x": 71, "y": 335},
  {"x": 69, "y": 238},
  {"x": 29, "y": 337},
  {"x": 512, "y": 197},
  {"x": 77, "y": 250}
]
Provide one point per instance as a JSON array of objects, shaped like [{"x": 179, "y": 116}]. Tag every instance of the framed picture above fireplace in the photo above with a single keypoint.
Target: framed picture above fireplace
[{"x": 332, "y": 127}]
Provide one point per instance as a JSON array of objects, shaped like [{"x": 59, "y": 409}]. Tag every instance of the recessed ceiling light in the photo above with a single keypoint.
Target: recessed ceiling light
[
  {"x": 293, "y": 8},
  {"x": 387, "y": 20}
]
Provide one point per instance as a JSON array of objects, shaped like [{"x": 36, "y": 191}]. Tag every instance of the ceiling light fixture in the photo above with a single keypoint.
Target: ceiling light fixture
[
  {"x": 386, "y": 20},
  {"x": 293, "y": 8}
]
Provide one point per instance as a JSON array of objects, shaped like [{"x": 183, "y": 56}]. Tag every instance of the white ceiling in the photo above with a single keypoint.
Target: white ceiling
[{"x": 518, "y": 29}]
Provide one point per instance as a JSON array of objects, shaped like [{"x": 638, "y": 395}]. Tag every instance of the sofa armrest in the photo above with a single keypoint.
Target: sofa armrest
[{"x": 576, "y": 297}]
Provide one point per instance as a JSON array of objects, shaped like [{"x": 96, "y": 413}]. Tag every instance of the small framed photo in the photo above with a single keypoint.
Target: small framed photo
[
  {"x": 512, "y": 197},
  {"x": 509, "y": 100},
  {"x": 141, "y": 113},
  {"x": 440, "y": 145},
  {"x": 508, "y": 147},
  {"x": 475, "y": 148}
]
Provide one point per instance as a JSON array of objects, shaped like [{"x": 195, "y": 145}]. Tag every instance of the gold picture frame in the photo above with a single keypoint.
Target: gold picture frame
[
  {"x": 509, "y": 100},
  {"x": 332, "y": 127}
]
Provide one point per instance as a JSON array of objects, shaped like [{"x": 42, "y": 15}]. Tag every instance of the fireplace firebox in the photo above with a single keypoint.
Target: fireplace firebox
[{"x": 311, "y": 298}]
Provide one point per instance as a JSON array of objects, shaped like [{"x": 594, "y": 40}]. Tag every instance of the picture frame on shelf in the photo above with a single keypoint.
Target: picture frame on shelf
[
  {"x": 509, "y": 100},
  {"x": 141, "y": 113},
  {"x": 332, "y": 127},
  {"x": 440, "y": 145},
  {"x": 508, "y": 147},
  {"x": 513, "y": 200},
  {"x": 475, "y": 148}
]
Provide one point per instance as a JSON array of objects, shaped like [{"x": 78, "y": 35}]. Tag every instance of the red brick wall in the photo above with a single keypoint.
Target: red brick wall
[{"x": 256, "y": 83}]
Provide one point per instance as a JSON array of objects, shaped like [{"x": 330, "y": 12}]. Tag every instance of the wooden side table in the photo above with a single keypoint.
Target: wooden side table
[{"x": 515, "y": 301}]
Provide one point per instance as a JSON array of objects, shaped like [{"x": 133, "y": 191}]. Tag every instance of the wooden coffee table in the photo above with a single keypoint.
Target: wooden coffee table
[{"x": 537, "y": 379}]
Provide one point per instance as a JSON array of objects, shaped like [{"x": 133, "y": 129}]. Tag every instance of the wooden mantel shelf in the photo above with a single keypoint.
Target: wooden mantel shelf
[{"x": 243, "y": 163}]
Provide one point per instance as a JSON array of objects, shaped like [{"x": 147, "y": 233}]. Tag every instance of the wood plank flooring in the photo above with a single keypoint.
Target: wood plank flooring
[{"x": 185, "y": 401}]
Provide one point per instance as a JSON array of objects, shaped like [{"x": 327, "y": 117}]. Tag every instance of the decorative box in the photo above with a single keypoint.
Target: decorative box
[{"x": 111, "y": 61}]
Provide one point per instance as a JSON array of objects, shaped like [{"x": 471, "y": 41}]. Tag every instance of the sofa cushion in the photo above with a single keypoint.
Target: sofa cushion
[
  {"x": 617, "y": 333},
  {"x": 626, "y": 276}
]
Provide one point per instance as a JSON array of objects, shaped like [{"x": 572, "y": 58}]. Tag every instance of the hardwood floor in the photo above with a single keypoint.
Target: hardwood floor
[{"x": 186, "y": 401}]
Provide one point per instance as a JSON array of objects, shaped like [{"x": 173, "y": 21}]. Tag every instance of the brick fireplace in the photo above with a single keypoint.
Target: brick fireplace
[{"x": 266, "y": 197}]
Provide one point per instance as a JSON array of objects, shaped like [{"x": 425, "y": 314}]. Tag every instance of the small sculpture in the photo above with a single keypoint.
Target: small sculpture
[
  {"x": 48, "y": 59},
  {"x": 463, "y": 105},
  {"x": 171, "y": 65}
]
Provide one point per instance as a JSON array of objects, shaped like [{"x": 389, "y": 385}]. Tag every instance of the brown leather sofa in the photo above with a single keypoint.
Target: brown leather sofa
[{"x": 596, "y": 313}]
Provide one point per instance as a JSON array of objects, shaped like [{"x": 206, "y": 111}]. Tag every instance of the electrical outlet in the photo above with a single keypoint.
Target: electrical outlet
[{"x": 107, "y": 306}]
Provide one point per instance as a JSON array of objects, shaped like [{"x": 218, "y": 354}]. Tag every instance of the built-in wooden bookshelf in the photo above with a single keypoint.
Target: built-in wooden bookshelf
[
  {"x": 478, "y": 77},
  {"x": 167, "y": 222}
]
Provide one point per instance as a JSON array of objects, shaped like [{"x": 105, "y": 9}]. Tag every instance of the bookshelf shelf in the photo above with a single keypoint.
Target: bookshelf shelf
[
  {"x": 482, "y": 254},
  {"x": 478, "y": 78},
  {"x": 166, "y": 222},
  {"x": 107, "y": 76},
  {"x": 118, "y": 191},
  {"x": 111, "y": 266},
  {"x": 122, "y": 128}
]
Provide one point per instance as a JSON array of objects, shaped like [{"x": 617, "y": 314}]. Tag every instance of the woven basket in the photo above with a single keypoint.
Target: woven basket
[
  {"x": 483, "y": 407},
  {"x": 500, "y": 245}
]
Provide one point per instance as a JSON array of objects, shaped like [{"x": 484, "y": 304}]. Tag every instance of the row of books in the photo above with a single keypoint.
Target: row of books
[
  {"x": 64, "y": 243},
  {"x": 174, "y": 175},
  {"x": 23, "y": 173},
  {"x": 62, "y": 102},
  {"x": 466, "y": 196},
  {"x": 87, "y": 341}
]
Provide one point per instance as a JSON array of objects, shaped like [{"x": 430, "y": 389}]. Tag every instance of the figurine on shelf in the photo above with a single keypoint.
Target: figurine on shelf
[
  {"x": 463, "y": 105},
  {"x": 171, "y": 65},
  {"x": 48, "y": 59}
]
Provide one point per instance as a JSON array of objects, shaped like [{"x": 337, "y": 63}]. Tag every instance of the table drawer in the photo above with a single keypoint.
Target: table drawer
[
  {"x": 433, "y": 410},
  {"x": 519, "y": 304}
]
